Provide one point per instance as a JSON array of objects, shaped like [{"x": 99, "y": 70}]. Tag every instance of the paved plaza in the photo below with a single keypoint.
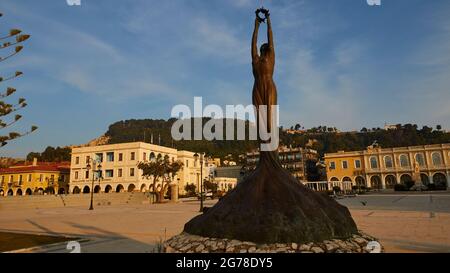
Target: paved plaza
[{"x": 402, "y": 222}]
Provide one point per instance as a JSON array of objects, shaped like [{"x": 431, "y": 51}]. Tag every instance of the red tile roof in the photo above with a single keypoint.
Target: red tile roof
[{"x": 41, "y": 166}]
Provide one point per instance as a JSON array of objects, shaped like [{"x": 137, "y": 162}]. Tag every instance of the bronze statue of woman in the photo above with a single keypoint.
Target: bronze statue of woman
[
  {"x": 264, "y": 89},
  {"x": 270, "y": 205}
]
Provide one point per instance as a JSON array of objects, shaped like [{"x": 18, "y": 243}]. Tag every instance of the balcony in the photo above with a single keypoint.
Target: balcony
[{"x": 15, "y": 184}]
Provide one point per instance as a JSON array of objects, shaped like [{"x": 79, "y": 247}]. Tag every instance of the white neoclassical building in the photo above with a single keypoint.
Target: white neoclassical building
[{"x": 119, "y": 169}]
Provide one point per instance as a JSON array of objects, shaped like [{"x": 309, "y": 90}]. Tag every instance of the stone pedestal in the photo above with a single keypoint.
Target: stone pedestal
[
  {"x": 187, "y": 243},
  {"x": 173, "y": 192}
]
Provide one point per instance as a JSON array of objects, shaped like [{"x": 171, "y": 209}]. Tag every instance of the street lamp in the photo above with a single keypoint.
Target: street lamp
[
  {"x": 95, "y": 169},
  {"x": 196, "y": 157}
]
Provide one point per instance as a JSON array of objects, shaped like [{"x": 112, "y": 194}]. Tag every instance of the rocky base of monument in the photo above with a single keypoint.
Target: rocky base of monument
[{"x": 187, "y": 243}]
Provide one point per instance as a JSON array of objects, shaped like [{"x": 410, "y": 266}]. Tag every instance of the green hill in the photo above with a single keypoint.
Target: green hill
[{"x": 321, "y": 139}]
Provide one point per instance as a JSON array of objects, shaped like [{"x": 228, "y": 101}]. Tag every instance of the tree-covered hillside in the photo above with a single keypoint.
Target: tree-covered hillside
[
  {"x": 320, "y": 138},
  {"x": 325, "y": 141}
]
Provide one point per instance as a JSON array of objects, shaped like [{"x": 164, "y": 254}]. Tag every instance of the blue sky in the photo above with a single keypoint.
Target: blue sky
[{"x": 339, "y": 63}]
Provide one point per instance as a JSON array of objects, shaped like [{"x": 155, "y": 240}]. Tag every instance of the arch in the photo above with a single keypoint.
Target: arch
[
  {"x": 131, "y": 188},
  {"x": 152, "y": 156},
  {"x": 108, "y": 189},
  {"x": 420, "y": 159},
  {"x": 373, "y": 162},
  {"x": 2, "y": 192},
  {"x": 436, "y": 158},
  {"x": 390, "y": 181},
  {"x": 360, "y": 181},
  {"x": 97, "y": 189},
  {"x": 334, "y": 179},
  {"x": 76, "y": 190},
  {"x": 61, "y": 191},
  {"x": 425, "y": 179},
  {"x": 19, "y": 192},
  {"x": 28, "y": 192},
  {"x": 440, "y": 180},
  {"x": 119, "y": 188},
  {"x": 50, "y": 190},
  {"x": 388, "y": 161},
  {"x": 404, "y": 161},
  {"x": 405, "y": 178},
  {"x": 143, "y": 188},
  {"x": 86, "y": 189},
  {"x": 375, "y": 182},
  {"x": 347, "y": 179},
  {"x": 39, "y": 191},
  {"x": 10, "y": 193}
]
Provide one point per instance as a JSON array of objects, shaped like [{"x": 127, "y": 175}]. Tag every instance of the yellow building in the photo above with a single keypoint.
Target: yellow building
[
  {"x": 383, "y": 168},
  {"x": 35, "y": 178}
]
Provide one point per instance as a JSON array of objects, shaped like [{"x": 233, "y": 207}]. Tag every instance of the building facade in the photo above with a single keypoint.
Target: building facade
[
  {"x": 292, "y": 159},
  {"x": 380, "y": 168},
  {"x": 35, "y": 178},
  {"x": 119, "y": 171},
  {"x": 225, "y": 184}
]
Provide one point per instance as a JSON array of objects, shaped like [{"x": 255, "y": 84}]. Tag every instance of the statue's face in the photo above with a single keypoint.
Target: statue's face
[{"x": 264, "y": 49}]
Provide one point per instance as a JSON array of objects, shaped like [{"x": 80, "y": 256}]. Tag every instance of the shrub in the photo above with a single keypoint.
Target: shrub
[
  {"x": 409, "y": 184},
  {"x": 400, "y": 187},
  {"x": 190, "y": 189}
]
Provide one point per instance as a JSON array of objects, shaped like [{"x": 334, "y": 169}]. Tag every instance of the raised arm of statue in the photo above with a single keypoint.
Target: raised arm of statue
[
  {"x": 255, "y": 41},
  {"x": 270, "y": 34}
]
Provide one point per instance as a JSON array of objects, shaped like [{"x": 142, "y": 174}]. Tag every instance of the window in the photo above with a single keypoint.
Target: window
[
  {"x": 345, "y": 164},
  {"x": 357, "y": 164},
  {"x": 29, "y": 177},
  {"x": 373, "y": 162},
  {"x": 77, "y": 160},
  {"x": 133, "y": 155},
  {"x": 332, "y": 165},
  {"x": 120, "y": 157},
  {"x": 119, "y": 172},
  {"x": 88, "y": 158},
  {"x": 41, "y": 178},
  {"x": 187, "y": 163},
  {"x": 388, "y": 162},
  {"x": 109, "y": 173},
  {"x": 76, "y": 175},
  {"x": 87, "y": 175},
  {"x": 110, "y": 157},
  {"x": 132, "y": 172},
  {"x": 404, "y": 162},
  {"x": 436, "y": 158},
  {"x": 420, "y": 160},
  {"x": 3, "y": 179},
  {"x": 152, "y": 156},
  {"x": 20, "y": 179},
  {"x": 99, "y": 157},
  {"x": 11, "y": 179},
  {"x": 52, "y": 177}
]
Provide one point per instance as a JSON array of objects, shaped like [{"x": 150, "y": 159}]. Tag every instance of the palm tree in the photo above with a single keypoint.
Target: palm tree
[{"x": 14, "y": 40}]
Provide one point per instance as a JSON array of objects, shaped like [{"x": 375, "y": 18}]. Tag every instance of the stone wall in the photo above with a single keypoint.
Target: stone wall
[{"x": 186, "y": 243}]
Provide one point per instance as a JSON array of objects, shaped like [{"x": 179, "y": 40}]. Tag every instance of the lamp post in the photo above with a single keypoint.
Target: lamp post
[
  {"x": 95, "y": 169},
  {"x": 196, "y": 156}
]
